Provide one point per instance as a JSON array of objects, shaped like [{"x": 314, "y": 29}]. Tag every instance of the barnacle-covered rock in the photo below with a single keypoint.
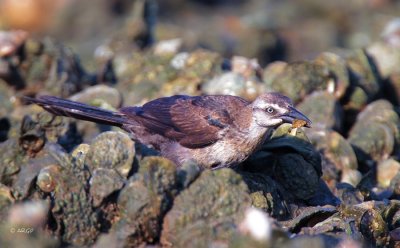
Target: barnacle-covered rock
[
  {"x": 220, "y": 197},
  {"x": 32, "y": 138},
  {"x": 376, "y": 132},
  {"x": 11, "y": 41},
  {"x": 202, "y": 63},
  {"x": 65, "y": 74},
  {"x": 321, "y": 241},
  {"x": 340, "y": 80},
  {"x": 103, "y": 183},
  {"x": 76, "y": 221},
  {"x": 48, "y": 177},
  {"x": 6, "y": 97},
  {"x": 112, "y": 150},
  {"x": 352, "y": 177},
  {"x": 348, "y": 194},
  {"x": 368, "y": 221},
  {"x": 187, "y": 84},
  {"x": 11, "y": 159},
  {"x": 386, "y": 171},
  {"x": 323, "y": 109},
  {"x": 266, "y": 194},
  {"x": 357, "y": 100},
  {"x": 365, "y": 72},
  {"x": 372, "y": 141},
  {"x": 187, "y": 173},
  {"x": 141, "y": 76},
  {"x": 386, "y": 57},
  {"x": 373, "y": 227},
  {"x": 79, "y": 154},
  {"x": 99, "y": 95},
  {"x": 306, "y": 217},
  {"x": 232, "y": 83},
  {"x": 143, "y": 202},
  {"x": 380, "y": 111},
  {"x": 338, "y": 156},
  {"x": 296, "y": 80},
  {"x": 6, "y": 200}
]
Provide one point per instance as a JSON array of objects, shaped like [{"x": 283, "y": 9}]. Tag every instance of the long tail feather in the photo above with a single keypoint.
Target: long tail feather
[{"x": 81, "y": 111}]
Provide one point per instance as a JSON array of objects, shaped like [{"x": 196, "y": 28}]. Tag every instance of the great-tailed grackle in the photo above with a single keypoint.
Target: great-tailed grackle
[{"x": 213, "y": 131}]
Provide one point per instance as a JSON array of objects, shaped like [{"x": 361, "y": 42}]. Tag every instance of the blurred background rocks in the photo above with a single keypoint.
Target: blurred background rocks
[{"x": 73, "y": 183}]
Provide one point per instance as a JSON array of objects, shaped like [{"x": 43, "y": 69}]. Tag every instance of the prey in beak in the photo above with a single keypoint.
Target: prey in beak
[{"x": 293, "y": 114}]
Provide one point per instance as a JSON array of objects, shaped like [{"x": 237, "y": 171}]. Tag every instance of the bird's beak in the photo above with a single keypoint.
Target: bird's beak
[{"x": 294, "y": 114}]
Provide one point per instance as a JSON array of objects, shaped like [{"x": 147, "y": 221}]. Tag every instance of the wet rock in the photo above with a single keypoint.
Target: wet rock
[
  {"x": 338, "y": 157},
  {"x": 187, "y": 84},
  {"x": 386, "y": 57},
  {"x": 6, "y": 97},
  {"x": 103, "y": 183},
  {"x": 352, "y": 177},
  {"x": 48, "y": 177},
  {"x": 232, "y": 83},
  {"x": 340, "y": 79},
  {"x": 32, "y": 138},
  {"x": 11, "y": 41},
  {"x": 99, "y": 96},
  {"x": 368, "y": 221},
  {"x": 348, "y": 194},
  {"x": 188, "y": 173},
  {"x": 144, "y": 201},
  {"x": 374, "y": 228},
  {"x": 79, "y": 154},
  {"x": 308, "y": 217},
  {"x": 111, "y": 150},
  {"x": 220, "y": 197},
  {"x": 372, "y": 141},
  {"x": 65, "y": 75},
  {"x": 71, "y": 208},
  {"x": 6, "y": 201},
  {"x": 76, "y": 221},
  {"x": 266, "y": 194},
  {"x": 365, "y": 72},
  {"x": 386, "y": 171},
  {"x": 335, "y": 149},
  {"x": 12, "y": 157},
  {"x": 296, "y": 80},
  {"x": 323, "y": 109},
  {"x": 380, "y": 111}
]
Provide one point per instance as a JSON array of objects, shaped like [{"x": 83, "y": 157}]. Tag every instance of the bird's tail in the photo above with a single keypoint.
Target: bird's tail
[{"x": 81, "y": 111}]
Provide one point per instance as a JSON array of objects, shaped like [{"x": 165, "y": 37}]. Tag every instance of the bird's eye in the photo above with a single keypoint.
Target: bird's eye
[{"x": 270, "y": 110}]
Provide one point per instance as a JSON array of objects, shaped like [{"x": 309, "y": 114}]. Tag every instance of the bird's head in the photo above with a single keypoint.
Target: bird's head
[{"x": 272, "y": 109}]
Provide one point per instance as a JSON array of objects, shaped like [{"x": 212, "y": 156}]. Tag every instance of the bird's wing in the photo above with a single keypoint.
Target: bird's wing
[{"x": 192, "y": 121}]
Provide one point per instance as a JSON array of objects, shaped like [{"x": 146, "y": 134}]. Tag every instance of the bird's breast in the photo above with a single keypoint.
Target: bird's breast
[{"x": 230, "y": 150}]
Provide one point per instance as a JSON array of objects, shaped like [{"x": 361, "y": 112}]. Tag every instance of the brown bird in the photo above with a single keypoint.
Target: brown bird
[{"x": 213, "y": 131}]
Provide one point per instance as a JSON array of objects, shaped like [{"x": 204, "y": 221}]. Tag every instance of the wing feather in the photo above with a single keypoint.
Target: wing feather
[{"x": 192, "y": 121}]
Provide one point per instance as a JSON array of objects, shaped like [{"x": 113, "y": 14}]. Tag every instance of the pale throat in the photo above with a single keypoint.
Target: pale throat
[{"x": 257, "y": 132}]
